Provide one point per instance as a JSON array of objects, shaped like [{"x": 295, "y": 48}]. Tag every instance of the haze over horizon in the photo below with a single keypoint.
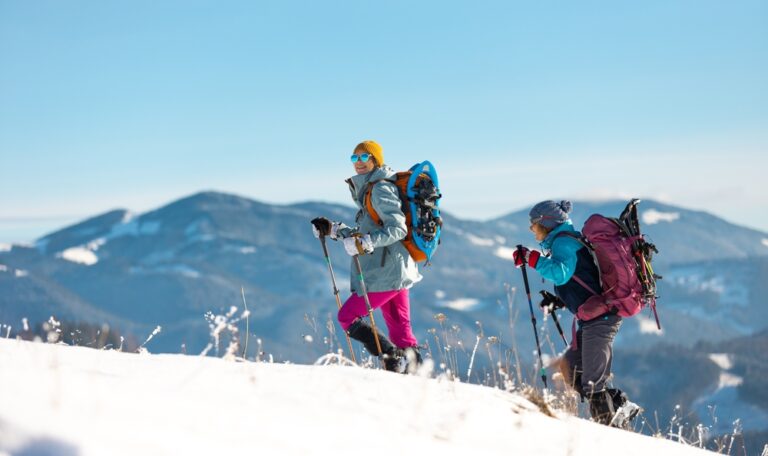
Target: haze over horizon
[{"x": 25, "y": 231}]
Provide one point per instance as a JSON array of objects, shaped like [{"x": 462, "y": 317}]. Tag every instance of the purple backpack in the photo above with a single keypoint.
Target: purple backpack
[{"x": 623, "y": 259}]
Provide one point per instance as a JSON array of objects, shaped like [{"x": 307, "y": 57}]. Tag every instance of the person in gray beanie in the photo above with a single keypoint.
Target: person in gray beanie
[
  {"x": 586, "y": 365},
  {"x": 550, "y": 214}
]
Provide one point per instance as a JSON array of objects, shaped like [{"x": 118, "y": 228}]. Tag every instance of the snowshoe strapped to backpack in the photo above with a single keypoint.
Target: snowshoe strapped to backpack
[
  {"x": 420, "y": 198},
  {"x": 623, "y": 258}
]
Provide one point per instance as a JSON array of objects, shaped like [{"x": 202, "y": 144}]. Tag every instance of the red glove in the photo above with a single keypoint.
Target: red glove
[{"x": 526, "y": 255}]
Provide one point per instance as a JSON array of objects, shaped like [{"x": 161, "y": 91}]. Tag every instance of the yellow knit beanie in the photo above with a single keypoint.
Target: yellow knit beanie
[{"x": 373, "y": 148}]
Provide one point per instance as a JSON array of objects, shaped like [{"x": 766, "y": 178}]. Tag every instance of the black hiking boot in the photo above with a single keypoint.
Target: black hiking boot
[
  {"x": 361, "y": 331},
  {"x": 601, "y": 407},
  {"x": 394, "y": 362},
  {"x": 613, "y": 408},
  {"x": 626, "y": 410},
  {"x": 618, "y": 397},
  {"x": 403, "y": 360}
]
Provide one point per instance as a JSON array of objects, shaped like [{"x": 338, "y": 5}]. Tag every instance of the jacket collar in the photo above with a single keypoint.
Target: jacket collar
[
  {"x": 359, "y": 182},
  {"x": 563, "y": 227}
]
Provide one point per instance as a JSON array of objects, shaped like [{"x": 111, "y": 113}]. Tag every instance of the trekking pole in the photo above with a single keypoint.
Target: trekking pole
[
  {"x": 336, "y": 292},
  {"x": 553, "y": 312},
  {"x": 367, "y": 302},
  {"x": 559, "y": 328},
  {"x": 542, "y": 371}
]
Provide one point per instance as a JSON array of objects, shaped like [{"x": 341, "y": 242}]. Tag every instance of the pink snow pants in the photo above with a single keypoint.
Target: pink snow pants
[{"x": 396, "y": 308}]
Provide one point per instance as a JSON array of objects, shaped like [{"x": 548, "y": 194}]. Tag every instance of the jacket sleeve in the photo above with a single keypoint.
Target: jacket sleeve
[
  {"x": 386, "y": 202},
  {"x": 560, "y": 266},
  {"x": 345, "y": 231}
]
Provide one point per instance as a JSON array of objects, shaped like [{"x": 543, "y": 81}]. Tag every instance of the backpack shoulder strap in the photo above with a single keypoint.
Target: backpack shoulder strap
[
  {"x": 369, "y": 204},
  {"x": 585, "y": 242},
  {"x": 578, "y": 237}
]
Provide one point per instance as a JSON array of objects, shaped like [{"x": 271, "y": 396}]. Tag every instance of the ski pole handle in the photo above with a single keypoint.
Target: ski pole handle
[{"x": 521, "y": 251}]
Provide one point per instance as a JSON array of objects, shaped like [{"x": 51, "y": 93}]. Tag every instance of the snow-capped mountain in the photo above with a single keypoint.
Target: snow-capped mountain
[{"x": 171, "y": 266}]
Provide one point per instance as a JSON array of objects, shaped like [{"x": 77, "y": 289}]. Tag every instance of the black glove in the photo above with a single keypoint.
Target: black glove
[
  {"x": 550, "y": 302},
  {"x": 322, "y": 227}
]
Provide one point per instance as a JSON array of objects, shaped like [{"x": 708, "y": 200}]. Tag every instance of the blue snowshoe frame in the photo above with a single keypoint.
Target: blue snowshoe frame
[{"x": 425, "y": 167}]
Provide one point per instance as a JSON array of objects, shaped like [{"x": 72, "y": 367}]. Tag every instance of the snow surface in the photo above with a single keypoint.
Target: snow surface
[
  {"x": 652, "y": 216},
  {"x": 128, "y": 226},
  {"x": 505, "y": 253},
  {"x": 9, "y": 247},
  {"x": 175, "y": 269},
  {"x": 732, "y": 292},
  {"x": 478, "y": 241},
  {"x": 132, "y": 226},
  {"x": 58, "y": 399},
  {"x": 79, "y": 255},
  {"x": 722, "y": 401},
  {"x": 84, "y": 254},
  {"x": 647, "y": 325},
  {"x": 728, "y": 380},
  {"x": 462, "y": 304},
  {"x": 723, "y": 360}
]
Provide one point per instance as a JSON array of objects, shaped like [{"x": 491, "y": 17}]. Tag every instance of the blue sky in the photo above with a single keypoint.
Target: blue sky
[{"x": 107, "y": 104}]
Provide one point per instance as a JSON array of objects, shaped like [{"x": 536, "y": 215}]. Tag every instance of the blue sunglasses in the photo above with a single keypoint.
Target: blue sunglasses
[{"x": 362, "y": 157}]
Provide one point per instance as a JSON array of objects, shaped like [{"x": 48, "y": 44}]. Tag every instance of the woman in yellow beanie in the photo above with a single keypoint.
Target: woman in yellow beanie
[{"x": 388, "y": 268}]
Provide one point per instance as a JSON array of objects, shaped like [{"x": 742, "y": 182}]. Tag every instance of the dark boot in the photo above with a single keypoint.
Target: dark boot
[
  {"x": 361, "y": 331},
  {"x": 617, "y": 396},
  {"x": 601, "y": 407},
  {"x": 626, "y": 410},
  {"x": 393, "y": 362}
]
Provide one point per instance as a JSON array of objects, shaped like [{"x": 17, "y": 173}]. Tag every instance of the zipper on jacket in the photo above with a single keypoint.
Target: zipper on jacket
[{"x": 384, "y": 256}]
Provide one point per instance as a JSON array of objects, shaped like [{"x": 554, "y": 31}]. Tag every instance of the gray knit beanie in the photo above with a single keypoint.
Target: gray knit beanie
[{"x": 550, "y": 214}]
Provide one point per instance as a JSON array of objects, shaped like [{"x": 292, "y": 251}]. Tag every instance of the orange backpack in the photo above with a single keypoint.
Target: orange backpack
[{"x": 420, "y": 206}]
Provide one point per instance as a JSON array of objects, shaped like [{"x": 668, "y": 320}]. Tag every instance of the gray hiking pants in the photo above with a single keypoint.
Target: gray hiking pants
[{"x": 590, "y": 360}]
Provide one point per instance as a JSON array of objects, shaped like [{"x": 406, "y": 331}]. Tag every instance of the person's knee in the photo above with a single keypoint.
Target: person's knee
[{"x": 345, "y": 318}]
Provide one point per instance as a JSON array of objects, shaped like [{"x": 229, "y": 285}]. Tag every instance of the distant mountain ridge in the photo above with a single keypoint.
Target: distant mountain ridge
[
  {"x": 195, "y": 253},
  {"x": 698, "y": 228},
  {"x": 170, "y": 266}
]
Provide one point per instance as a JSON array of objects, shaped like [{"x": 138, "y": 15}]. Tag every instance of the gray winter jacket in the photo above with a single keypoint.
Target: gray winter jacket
[{"x": 389, "y": 267}]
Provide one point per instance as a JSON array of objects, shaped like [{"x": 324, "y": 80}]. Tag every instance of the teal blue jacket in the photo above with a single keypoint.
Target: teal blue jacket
[{"x": 561, "y": 264}]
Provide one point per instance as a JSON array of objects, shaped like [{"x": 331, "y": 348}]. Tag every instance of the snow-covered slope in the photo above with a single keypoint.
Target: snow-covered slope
[{"x": 57, "y": 399}]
